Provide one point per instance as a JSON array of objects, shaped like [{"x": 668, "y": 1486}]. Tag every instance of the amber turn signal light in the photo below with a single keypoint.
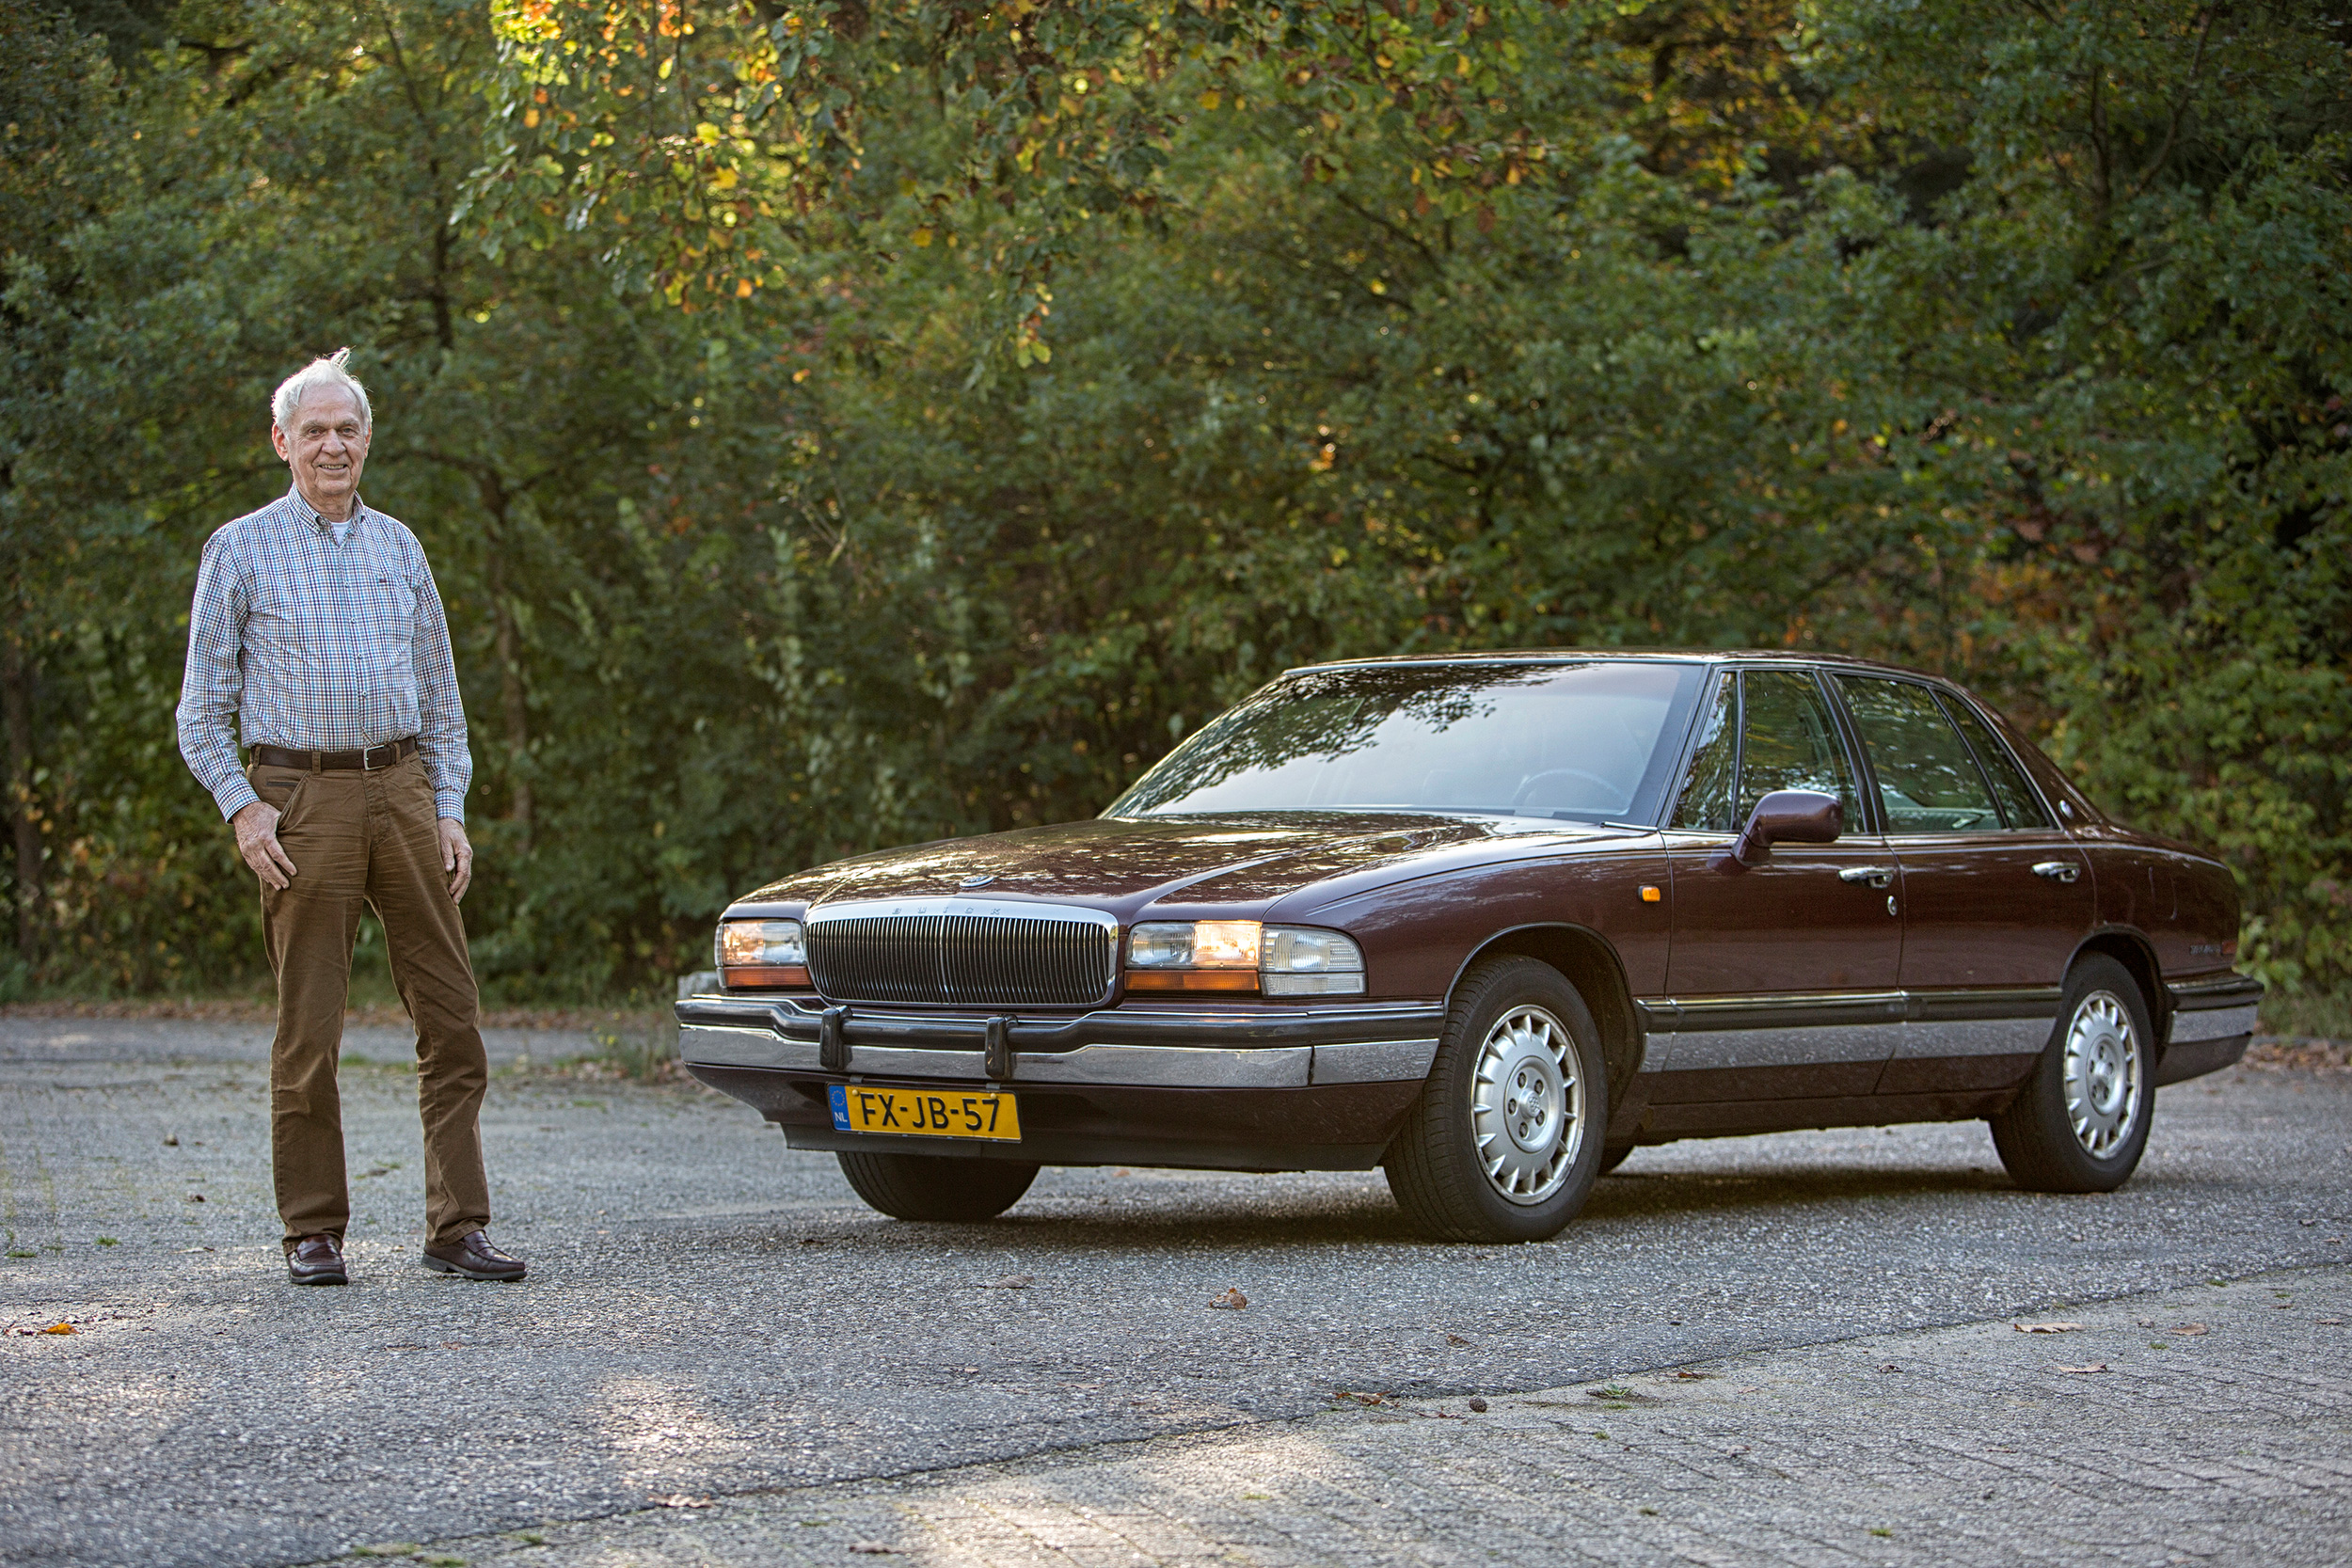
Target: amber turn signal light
[{"x": 1192, "y": 979}]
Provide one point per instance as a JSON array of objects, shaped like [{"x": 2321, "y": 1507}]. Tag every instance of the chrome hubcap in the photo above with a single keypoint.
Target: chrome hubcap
[
  {"x": 2101, "y": 1073},
  {"x": 1526, "y": 1105}
]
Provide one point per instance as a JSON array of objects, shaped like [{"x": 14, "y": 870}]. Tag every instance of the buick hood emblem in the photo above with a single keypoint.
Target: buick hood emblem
[{"x": 977, "y": 879}]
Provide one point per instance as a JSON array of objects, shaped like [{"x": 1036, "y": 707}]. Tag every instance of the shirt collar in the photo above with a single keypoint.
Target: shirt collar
[{"x": 319, "y": 520}]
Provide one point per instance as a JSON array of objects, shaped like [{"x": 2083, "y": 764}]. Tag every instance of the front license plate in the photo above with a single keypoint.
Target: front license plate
[{"x": 923, "y": 1113}]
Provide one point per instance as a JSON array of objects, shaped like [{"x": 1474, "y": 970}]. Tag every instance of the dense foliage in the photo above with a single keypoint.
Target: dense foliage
[{"x": 844, "y": 423}]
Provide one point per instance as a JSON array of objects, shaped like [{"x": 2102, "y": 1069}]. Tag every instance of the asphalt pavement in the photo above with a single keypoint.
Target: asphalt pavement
[{"x": 711, "y": 1316}]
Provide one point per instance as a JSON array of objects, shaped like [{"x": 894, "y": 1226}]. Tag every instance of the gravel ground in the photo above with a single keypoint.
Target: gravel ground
[
  {"x": 712, "y": 1315},
  {"x": 2147, "y": 1429}
]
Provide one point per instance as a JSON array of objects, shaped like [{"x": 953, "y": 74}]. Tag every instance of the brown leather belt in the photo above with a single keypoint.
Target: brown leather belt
[{"x": 333, "y": 762}]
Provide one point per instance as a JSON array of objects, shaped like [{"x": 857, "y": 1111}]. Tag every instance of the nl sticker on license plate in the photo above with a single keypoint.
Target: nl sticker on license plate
[{"x": 924, "y": 1114}]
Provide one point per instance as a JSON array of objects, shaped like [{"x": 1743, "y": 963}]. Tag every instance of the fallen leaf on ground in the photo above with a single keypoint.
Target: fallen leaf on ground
[
  {"x": 61, "y": 1328},
  {"x": 874, "y": 1548},
  {"x": 1888, "y": 1367},
  {"x": 171, "y": 1140},
  {"x": 196, "y": 1198},
  {"x": 2094, "y": 1366},
  {"x": 1688, "y": 1376},
  {"x": 2046, "y": 1328},
  {"x": 1456, "y": 1339},
  {"x": 678, "y": 1500},
  {"x": 2192, "y": 1328},
  {"x": 1013, "y": 1282},
  {"x": 2332, "y": 1322},
  {"x": 1232, "y": 1298}
]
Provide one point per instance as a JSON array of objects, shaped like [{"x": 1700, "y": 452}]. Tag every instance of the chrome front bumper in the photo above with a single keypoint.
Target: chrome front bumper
[{"x": 1239, "y": 1047}]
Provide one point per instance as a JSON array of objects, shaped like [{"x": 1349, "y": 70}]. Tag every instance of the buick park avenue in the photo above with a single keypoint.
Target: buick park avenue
[{"x": 1490, "y": 923}]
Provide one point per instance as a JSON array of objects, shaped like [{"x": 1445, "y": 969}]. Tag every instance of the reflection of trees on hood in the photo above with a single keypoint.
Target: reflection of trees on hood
[{"x": 1326, "y": 713}]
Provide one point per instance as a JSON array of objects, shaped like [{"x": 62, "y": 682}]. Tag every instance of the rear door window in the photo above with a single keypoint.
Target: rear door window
[
  {"x": 2020, "y": 805},
  {"x": 1928, "y": 779}
]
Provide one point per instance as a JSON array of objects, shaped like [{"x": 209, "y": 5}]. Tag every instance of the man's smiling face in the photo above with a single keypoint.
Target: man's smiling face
[{"x": 327, "y": 448}]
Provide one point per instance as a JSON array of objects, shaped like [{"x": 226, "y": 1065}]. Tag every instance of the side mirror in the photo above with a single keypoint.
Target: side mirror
[{"x": 1784, "y": 816}]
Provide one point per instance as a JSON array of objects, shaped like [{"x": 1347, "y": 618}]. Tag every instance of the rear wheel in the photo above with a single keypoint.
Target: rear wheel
[
  {"x": 2080, "y": 1123},
  {"x": 932, "y": 1187},
  {"x": 1504, "y": 1142}
]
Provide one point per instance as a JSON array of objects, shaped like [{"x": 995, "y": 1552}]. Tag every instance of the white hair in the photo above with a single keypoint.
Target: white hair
[{"x": 329, "y": 371}]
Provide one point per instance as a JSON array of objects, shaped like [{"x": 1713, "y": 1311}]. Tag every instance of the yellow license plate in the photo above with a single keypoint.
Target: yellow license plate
[{"x": 926, "y": 1114}]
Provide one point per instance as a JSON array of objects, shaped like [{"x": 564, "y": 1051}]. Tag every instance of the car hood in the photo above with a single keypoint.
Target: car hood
[{"x": 1124, "y": 865}]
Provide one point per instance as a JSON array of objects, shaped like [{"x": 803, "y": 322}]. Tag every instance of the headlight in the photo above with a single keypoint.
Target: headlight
[
  {"x": 761, "y": 953},
  {"x": 1299, "y": 963},
  {"x": 1242, "y": 955}
]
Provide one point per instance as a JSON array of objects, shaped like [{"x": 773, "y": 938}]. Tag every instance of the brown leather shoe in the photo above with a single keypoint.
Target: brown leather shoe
[
  {"x": 472, "y": 1255},
  {"x": 316, "y": 1260}
]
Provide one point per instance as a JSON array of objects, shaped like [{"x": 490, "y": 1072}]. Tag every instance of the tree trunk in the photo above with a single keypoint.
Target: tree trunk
[
  {"x": 16, "y": 704},
  {"x": 504, "y": 638},
  {"x": 511, "y": 699}
]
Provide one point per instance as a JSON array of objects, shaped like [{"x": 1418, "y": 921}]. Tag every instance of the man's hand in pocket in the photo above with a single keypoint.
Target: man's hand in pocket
[{"x": 257, "y": 841}]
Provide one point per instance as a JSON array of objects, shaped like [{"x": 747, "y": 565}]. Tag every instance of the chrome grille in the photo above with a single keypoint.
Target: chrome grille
[{"x": 943, "y": 952}]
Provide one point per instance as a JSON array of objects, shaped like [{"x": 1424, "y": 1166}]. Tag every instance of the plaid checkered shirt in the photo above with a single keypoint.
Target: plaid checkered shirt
[{"x": 318, "y": 638}]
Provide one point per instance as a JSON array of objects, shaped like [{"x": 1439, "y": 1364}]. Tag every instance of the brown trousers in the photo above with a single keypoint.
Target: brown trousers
[{"x": 368, "y": 839}]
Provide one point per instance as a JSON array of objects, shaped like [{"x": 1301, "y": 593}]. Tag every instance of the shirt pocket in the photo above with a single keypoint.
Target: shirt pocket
[{"x": 395, "y": 599}]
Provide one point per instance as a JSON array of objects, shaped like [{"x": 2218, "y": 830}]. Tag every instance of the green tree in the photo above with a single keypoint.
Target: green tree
[{"x": 849, "y": 425}]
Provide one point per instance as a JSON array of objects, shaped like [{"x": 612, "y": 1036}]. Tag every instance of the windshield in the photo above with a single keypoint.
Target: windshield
[{"x": 1583, "y": 741}]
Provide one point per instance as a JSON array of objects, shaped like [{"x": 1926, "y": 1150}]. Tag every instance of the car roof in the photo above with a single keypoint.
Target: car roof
[{"x": 1657, "y": 655}]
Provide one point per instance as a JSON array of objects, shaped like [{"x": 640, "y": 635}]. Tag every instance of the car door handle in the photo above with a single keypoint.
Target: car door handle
[
  {"x": 2062, "y": 871},
  {"x": 1877, "y": 876}
]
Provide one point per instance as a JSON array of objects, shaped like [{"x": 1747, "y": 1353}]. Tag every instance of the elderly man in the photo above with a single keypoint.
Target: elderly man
[{"x": 318, "y": 631}]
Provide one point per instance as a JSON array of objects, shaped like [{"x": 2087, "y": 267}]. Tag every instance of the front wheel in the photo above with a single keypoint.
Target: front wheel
[
  {"x": 1505, "y": 1142},
  {"x": 2080, "y": 1123},
  {"x": 936, "y": 1187}
]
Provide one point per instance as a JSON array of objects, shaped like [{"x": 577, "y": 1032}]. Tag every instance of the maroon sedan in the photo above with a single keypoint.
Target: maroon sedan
[{"x": 1490, "y": 923}]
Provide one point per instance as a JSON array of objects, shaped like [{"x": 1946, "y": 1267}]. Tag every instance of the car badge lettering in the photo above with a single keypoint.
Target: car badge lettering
[{"x": 980, "y": 880}]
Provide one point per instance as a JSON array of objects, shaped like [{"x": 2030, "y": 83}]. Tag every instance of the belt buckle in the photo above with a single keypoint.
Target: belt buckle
[{"x": 368, "y": 751}]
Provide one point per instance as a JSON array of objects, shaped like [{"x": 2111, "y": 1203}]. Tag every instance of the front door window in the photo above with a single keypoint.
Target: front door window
[
  {"x": 1788, "y": 741},
  {"x": 1704, "y": 802}
]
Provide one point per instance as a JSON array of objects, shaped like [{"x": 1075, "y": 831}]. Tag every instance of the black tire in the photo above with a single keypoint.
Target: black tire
[
  {"x": 1612, "y": 1156},
  {"x": 937, "y": 1187},
  {"x": 1435, "y": 1165},
  {"x": 2104, "y": 1040}
]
